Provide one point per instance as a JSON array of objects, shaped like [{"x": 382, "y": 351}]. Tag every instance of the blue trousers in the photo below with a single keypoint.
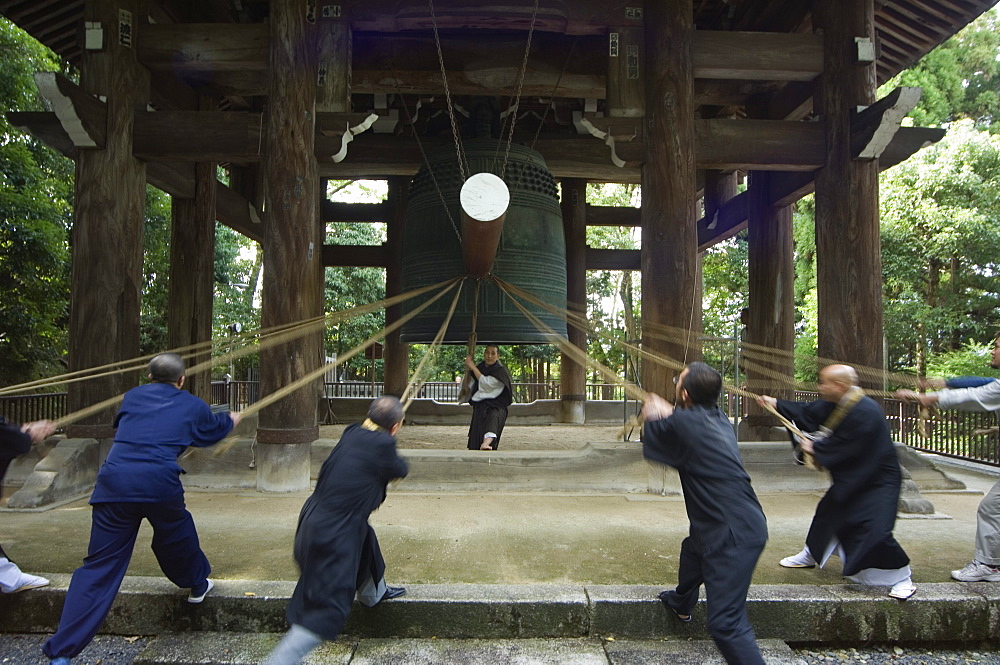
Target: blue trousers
[
  {"x": 726, "y": 574},
  {"x": 95, "y": 584}
]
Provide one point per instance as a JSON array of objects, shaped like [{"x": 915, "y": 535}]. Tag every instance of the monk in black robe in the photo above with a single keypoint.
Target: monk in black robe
[
  {"x": 856, "y": 516},
  {"x": 491, "y": 395},
  {"x": 335, "y": 546},
  {"x": 728, "y": 529}
]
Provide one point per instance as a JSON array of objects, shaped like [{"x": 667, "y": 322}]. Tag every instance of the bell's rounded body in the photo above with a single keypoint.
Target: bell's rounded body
[{"x": 531, "y": 254}]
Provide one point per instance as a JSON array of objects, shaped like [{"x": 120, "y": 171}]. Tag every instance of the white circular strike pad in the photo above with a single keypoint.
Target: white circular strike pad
[{"x": 484, "y": 197}]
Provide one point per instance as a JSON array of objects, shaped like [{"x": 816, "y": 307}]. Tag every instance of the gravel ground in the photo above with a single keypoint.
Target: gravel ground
[
  {"x": 898, "y": 656},
  {"x": 104, "y": 650}
]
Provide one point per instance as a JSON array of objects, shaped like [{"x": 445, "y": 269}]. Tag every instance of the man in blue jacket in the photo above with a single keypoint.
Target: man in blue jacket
[
  {"x": 141, "y": 480},
  {"x": 728, "y": 529}
]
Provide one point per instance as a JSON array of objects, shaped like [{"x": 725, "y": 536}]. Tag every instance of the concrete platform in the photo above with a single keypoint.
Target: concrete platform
[{"x": 945, "y": 612}]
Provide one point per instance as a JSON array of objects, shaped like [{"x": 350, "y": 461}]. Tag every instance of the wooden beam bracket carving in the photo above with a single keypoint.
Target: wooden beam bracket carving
[
  {"x": 873, "y": 128},
  {"x": 82, "y": 116}
]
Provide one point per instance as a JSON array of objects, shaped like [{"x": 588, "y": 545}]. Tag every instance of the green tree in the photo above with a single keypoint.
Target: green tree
[
  {"x": 155, "y": 272},
  {"x": 36, "y": 189},
  {"x": 960, "y": 77},
  {"x": 940, "y": 247}
]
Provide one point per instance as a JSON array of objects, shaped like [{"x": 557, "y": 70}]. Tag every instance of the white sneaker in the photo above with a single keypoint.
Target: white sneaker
[
  {"x": 803, "y": 559},
  {"x": 194, "y": 600},
  {"x": 903, "y": 590},
  {"x": 977, "y": 572},
  {"x": 27, "y": 581}
]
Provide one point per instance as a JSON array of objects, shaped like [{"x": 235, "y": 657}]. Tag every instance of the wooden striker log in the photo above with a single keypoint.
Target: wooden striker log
[{"x": 484, "y": 199}]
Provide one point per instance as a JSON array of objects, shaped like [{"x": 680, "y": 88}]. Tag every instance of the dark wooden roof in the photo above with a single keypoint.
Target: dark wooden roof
[{"x": 907, "y": 29}]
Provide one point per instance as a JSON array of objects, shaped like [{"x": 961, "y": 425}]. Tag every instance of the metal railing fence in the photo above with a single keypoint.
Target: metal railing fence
[
  {"x": 973, "y": 436},
  {"x": 27, "y": 408}
]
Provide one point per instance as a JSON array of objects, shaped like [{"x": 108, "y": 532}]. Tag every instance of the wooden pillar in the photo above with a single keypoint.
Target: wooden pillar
[
  {"x": 573, "y": 375},
  {"x": 720, "y": 186},
  {"x": 772, "y": 302},
  {"x": 669, "y": 239},
  {"x": 848, "y": 258},
  {"x": 625, "y": 95},
  {"x": 333, "y": 81},
  {"x": 192, "y": 271},
  {"x": 397, "y": 354},
  {"x": 293, "y": 273},
  {"x": 110, "y": 197}
]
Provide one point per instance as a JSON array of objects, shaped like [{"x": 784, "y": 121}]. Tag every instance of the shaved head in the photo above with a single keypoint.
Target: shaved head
[
  {"x": 835, "y": 381},
  {"x": 841, "y": 374},
  {"x": 166, "y": 368}
]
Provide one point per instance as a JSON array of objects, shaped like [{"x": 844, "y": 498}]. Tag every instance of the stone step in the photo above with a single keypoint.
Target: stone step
[
  {"x": 791, "y": 613},
  {"x": 251, "y": 649}
]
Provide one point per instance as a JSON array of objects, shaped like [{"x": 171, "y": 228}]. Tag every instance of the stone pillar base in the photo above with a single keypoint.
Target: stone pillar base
[
  {"x": 283, "y": 467},
  {"x": 574, "y": 410},
  {"x": 69, "y": 470}
]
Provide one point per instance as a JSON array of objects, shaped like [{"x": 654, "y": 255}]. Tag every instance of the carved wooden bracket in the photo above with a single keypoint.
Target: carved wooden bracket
[
  {"x": 82, "y": 116},
  {"x": 873, "y": 127}
]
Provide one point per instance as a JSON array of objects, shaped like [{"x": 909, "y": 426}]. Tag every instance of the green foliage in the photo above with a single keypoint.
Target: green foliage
[
  {"x": 155, "y": 272},
  {"x": 36, "y": 190},
  {"x": 959, "y": 78},
  {"x": 347, "y": 288},
  {"x": 804, "y": 235},
  {"x": 238, "y": 263},
  {"x": 970, "y": 360},
  {"x": 940, "y": 245}
]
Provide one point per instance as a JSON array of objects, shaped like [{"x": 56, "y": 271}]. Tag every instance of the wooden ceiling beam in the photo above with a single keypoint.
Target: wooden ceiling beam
[
  {"x": 722, "y": 92},
  {"x": 338, "y": 212},
  {"x": 355, "y": 256},
  {"x": 612, "y": 216},
  {"x": 176, "y": 179},
  {"x": 232, "y": 58},
  {"x": 787, "y": 188},
  {"x": 197, "y": 136},
  {"x": 900, "y": 23},
  {"x": 773, "y": 145},
  {"x": 217, "y": 136},
  {"x": 612, "y": 259},
  {"x": 772, "y": 56}
]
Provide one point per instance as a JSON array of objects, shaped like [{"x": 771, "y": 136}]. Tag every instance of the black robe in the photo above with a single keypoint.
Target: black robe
[
  {"x": 335, "y": 547},
  {"x": 13, "y": 443},
  {"x": 721, "y": 504},
  {"x": 859, "y": 509},
  {"x": 489, "y": 415}
]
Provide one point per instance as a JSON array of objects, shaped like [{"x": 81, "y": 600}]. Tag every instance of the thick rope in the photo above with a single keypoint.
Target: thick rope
[
  {"x": 278, "y": 395},
  {"x": 286, "y": 334},
  {"x": 139, "y": 364},
  {"x": 417, "y": 380}
]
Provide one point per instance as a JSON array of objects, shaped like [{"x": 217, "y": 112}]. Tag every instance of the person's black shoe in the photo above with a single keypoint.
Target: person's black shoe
[
  {"x": 664, "y": 597},
  {"x": 393, "y": 592}
]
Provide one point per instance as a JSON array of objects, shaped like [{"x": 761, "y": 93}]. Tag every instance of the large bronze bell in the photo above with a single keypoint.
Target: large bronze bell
[{"x": 531, "y": 254}]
